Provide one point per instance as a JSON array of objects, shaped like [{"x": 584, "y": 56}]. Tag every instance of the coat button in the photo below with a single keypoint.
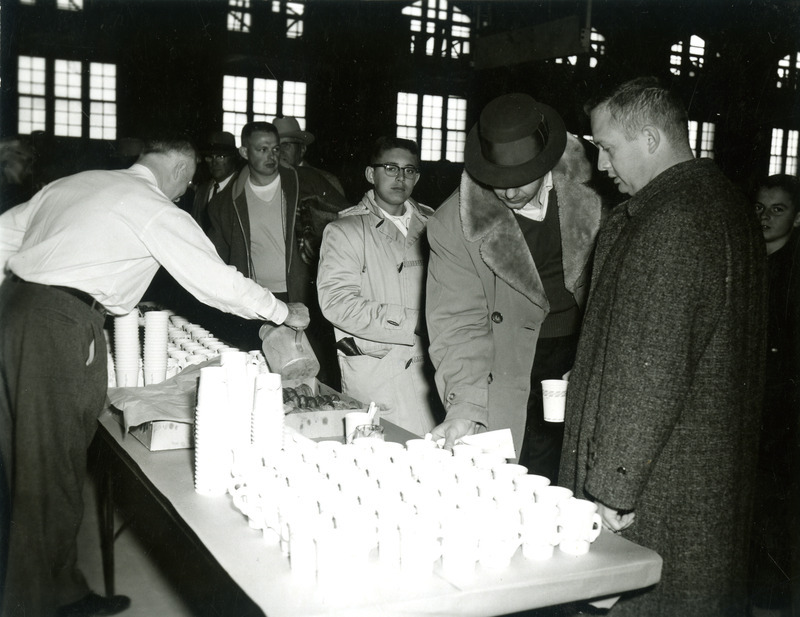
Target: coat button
[
  {"x": 451, "y": 396},
  {"x": 622, "y": 470},
  {"x": 497, "y": 317}
]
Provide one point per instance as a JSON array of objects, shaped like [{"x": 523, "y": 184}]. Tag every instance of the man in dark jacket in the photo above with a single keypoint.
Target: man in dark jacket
[
  {"x": 268, "y": 223},
  {"x": 663, "y": 403}
]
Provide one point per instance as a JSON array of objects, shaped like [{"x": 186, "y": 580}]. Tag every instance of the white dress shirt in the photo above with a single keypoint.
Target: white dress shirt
[{"x": 106, "y": 232}]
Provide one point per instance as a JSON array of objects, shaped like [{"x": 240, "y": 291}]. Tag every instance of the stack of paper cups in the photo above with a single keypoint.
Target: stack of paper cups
[
  {"x": 156, "y": 324},
  {"x": 212, "y": 454},
  {"x": 240, "y": 399},
  {"x": 267, "y": 433},
  {"x": 126, "y": 349}
]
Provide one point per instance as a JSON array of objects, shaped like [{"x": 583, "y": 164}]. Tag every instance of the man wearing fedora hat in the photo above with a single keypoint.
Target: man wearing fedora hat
[
  {"x": 508, "y": 276},
  {"x": 294, "y": 143},
  {"x": 222, "y": 159}
]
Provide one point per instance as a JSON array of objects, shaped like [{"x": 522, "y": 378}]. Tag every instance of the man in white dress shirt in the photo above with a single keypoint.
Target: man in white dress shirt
[{"x": 83, "y": 247}]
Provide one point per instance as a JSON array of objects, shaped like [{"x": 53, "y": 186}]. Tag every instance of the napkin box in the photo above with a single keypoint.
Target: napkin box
[
  {"x": 321, "y": 424},
  {"x": 165, "y": 435}
]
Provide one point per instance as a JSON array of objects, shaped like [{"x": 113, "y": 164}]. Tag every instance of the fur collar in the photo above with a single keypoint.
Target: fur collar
[{"x": 487, "y": 221}]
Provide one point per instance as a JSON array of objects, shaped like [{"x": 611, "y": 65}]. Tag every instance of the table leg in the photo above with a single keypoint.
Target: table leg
[{"x": 107, "y": 529}]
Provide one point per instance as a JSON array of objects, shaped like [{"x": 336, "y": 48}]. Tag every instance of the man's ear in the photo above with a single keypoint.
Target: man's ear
[
  {"x": 796, "y": 220},
  {"x": 652, "y": 137},
  {"x": 369, "y": 174},
  {"x": 243, "y": 152}
]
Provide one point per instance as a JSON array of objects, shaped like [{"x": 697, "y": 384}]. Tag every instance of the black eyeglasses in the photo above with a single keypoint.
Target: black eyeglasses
[
  {"x": 217, "y": 157},
  {"x": 394, "y": 170}
]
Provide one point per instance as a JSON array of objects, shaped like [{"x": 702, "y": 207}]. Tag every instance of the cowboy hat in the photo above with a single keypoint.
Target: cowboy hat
[
  {"x": 289, "y": 129},
  {"x": 516, "y": 140}
]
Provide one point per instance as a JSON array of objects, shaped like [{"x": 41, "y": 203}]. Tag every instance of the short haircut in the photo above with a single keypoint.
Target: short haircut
[
  {"x": 382, "y": 144},
  {"x": 169, "y": 145},
  {"x": 257, "y": 127},
  {"x": 643, "y": 101},
  {"x": 788, "y": 183}
]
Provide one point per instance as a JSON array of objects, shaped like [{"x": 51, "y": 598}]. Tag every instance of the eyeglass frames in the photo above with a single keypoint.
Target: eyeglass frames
[{"x": 395, "y": 170}]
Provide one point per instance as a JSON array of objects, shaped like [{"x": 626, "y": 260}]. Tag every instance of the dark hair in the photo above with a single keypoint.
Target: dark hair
[
  {"x": 382, "y": 144},
  {"x": 166, "y": 145},
  {"x": 257, "y": 127},
  {"x": 643, "y": 101},
  {"x": 788, "y": 183}
]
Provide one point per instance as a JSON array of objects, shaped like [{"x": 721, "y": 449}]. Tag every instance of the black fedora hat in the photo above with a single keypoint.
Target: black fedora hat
[
  {"x": 515, "y": 141},
  {"x": 221, "y": 142}
]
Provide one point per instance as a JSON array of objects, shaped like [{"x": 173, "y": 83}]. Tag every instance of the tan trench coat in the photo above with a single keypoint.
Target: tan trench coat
[{"x": 370, "y": 282}]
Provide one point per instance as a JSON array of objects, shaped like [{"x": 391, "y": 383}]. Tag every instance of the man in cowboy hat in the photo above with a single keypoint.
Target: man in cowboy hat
[
  {"x": 222, "y": 158},
  {"x": 508, "y": 276},
  {"x": 294, "y": 143}
]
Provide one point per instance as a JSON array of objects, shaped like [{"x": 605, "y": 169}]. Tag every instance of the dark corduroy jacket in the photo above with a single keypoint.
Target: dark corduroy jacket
[{"x": 664, "y": 400}]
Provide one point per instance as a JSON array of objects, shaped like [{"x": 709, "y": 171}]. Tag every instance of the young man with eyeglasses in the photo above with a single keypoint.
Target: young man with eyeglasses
[{"x": 371, "y": 282}]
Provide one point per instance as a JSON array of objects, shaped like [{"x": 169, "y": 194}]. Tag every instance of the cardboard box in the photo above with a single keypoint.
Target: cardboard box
[
  {"x": 321, "y": 424},
  {"x": 165, "y": 435}
]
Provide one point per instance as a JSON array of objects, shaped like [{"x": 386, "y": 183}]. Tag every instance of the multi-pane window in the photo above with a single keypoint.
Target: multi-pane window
[
  {"x": 68, "y": 119},
  {"x": 239, "y": 16},
  {"x": 598, "y": 48},
  {"x": 31, "y": 82},
  {"x": 788, "y": 70},
  {"x": 52, "y": 97},
  {"x": 689, "y": 57},
  {"x": 701, "y": 138},
  {"x": 784, "y": 152},
  {"x": 439, "y": 28},
  {"x": 437, "y": 124},
  {"x": 69, "y": 5},
  {"x": 102, "y": 101},
  {"x": 247, "y": 99},
  {"x": 294, "y": 16}
]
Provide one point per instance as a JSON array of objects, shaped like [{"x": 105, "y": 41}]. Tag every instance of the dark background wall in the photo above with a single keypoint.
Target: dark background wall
[{"x": 354, "y": 56}]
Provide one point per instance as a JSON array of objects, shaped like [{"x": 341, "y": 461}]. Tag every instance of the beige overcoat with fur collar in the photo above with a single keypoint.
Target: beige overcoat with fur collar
[{"x": 485, "y": 300}]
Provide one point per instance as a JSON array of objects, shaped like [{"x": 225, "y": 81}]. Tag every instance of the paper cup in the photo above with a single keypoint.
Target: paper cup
[
  {"x": 554, "y": 397},
  {"x": 351, "y": 421}
]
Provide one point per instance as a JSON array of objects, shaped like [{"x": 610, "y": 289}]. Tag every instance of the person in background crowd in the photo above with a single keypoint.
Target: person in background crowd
[
  {"x": 777, "y": 204},
  {"x": 508, "y": 275},
  {"x": 371, "y": 283},
  {"x": 222, "y": 158},
  {"x": 17, "y": 156},
  {"x": 294, "y": 143},
  {"x": 268, "y": 223},
  {"x": 82, "y": 247},
  {"x": 664, "y": 400}
]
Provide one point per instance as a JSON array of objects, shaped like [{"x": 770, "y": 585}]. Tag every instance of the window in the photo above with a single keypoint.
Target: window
[
  {"x": 439, "y": 28},
  {"x": 69, "y": 109},
  {"x": 239, "y": 16},
  {"x": 69, "y": 5},
  {"x": 701, "y": 138},
  {"x": 689, "y": 57},
  {"x": 784, "y": 152},
  {"x": 788, "y": 68},
  {"x": 294, "y": 16},
  {"x": 31, "y": 82},
  {"x": 597, "y": 44},
  {"x": 438, "y": 125},
  {"x": 247, "y": 99}
]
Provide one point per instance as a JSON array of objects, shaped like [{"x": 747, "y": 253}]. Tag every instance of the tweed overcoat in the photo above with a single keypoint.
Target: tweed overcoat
[
  {"x": 664, "y": 399},
  {"x": 485, "y": 299}
]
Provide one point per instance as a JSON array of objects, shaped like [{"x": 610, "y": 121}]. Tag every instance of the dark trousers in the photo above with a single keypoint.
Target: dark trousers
[
  {"x": 541, "y": 444},
  {"x": 53, "y": 383}
]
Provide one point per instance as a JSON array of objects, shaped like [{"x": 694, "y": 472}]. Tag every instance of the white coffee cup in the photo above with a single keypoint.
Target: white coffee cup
[
  {"x": 552, "y": 495},
  {"x": 540, "y": 533},
  {"x": 579, "y": 525},
  {"x": 554, "y": 398},
  {"x": 351, "y": 421}
]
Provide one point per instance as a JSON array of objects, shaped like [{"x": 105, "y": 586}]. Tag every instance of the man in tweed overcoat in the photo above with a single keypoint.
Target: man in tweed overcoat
[{"x": 664, "y": 399}]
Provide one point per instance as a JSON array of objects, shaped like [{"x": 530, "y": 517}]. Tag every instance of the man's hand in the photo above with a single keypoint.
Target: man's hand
[
  {"x": 453, "y": 430},
  {"x": 297, "y": 318},
  {"x": 614, "y": 520}
]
